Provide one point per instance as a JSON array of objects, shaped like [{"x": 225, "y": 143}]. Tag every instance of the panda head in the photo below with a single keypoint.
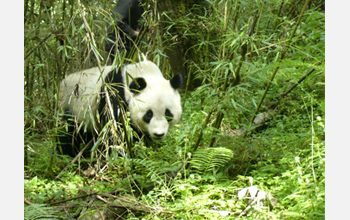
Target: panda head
[{"x": 154, "y": 102}]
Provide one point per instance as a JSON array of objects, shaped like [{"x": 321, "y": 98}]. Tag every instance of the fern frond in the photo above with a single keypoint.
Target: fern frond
[
  {"x": 151, "y": 168},
  {"x": 210, "y": 159},
  {"x": 39, "y": 211}
]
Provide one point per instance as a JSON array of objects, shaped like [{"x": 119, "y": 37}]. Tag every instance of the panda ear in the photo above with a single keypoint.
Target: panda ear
[
  {"x": 137, "y": 85},
  {"x": 176, "y": 81}
]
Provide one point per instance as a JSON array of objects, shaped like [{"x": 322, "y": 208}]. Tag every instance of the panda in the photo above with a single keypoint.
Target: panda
[{"x": 154, "y": 103}]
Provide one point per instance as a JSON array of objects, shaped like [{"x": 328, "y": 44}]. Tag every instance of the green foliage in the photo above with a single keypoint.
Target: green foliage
[
  {"x": 301, "y": 184},
  {"x": 43, "y": 191},
  {"x": 210, "y": 159},
  {"x": 283, "y": 156},
  {"x": 38, "y": 211}
]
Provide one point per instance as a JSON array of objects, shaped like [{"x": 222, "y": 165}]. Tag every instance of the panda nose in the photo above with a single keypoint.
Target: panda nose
[{"x": 158, "y": 135}]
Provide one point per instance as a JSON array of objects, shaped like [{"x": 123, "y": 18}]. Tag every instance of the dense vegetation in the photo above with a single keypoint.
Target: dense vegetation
[{"x": 251, "y": 143}]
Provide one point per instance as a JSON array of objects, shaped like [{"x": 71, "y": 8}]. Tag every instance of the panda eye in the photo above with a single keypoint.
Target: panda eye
[
  {"x": 148, "y": 116},
  {"x": 168, "y": 115}
]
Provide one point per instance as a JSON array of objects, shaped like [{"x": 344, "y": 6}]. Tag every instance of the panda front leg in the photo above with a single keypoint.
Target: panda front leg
[
  {"x": 71, "y": 140},
  {"x": 69, "y": 144}
]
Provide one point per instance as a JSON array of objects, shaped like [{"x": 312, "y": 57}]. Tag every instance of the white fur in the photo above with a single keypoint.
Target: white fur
[
  {"x": 157, "y": 96},
  {"x": 83, "y": 103}
]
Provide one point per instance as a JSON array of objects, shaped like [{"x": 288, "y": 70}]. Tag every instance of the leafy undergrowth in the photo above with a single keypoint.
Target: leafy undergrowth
[
  {"x": 271, "y": 174},
  {"x": 217, "y": 163}
]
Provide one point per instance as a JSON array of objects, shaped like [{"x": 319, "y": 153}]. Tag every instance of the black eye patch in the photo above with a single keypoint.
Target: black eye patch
[
  {"x": 169, "y": 116},
  {"x": 148, "y": 116}
]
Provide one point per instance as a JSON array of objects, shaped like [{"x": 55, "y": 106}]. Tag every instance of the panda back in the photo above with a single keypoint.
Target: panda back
[{"x": 80, "y": 91}]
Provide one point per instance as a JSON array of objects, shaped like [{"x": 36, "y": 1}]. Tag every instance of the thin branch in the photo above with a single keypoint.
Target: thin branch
[
  {"x": 75, "y": 158},
  {"x": 282, "y": 95},
  {"x": 41, "y": 42},
  {"x": 91, "y": 37},
  {"x": 74, "y": 198},
  {"x": 240, "y": 131},
  {"x": 139, "y": 208},
  {"x": 27, "y": 202},
  {"x": 285, "y": 49},
  {"x": 236, "y": 81}
]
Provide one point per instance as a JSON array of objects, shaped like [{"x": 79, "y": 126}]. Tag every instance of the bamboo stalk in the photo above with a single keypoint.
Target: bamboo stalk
[
  {"x": 194, "y": 148},
  {"x": 276, "y": 69},
  {"x": 220, "y": 115}
]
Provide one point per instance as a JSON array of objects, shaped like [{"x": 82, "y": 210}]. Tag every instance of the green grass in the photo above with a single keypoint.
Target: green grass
[{"x": 286, "y": 160}]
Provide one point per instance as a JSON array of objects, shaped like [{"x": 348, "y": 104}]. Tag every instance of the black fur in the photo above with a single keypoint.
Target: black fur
[
  {"x": 116, "y": 80},
  {"x": 148, "y": 116},
  {"x": 137, "y": 85},
  {"x": 117, "y": 95},
  {"x": 169, "y": 116},
  {"x": 71, "y": 140},
  {"x": 176, "y": 81}
]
